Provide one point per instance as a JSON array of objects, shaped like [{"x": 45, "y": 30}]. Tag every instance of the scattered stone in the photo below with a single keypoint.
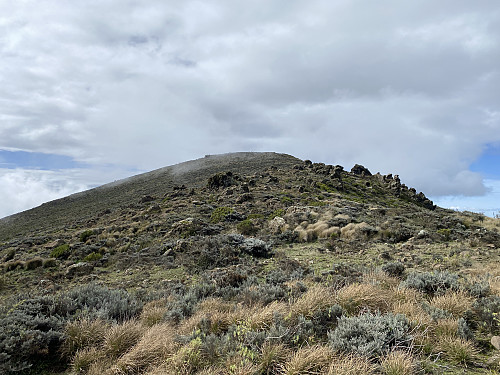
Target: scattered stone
[{"x": 495, "y": 341}]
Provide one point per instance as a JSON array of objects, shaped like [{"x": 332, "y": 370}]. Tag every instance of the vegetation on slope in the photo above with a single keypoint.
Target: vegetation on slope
[{"x": 295, "y": 269}]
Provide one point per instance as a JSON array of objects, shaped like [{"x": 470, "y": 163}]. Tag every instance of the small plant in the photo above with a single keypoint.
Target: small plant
[
  {"x": 279, "y": 212},
  {"x": 370, "y": 335},
  {"x": 62, "y": 252},
  {"x": 394, "y": 269},
  {"x": 92, "y": 257},
  {"x": 86, "y": 235},
  {"x": 398, "y": 363},
  {"x": 460, "y": 351},
  {"x": 246, "y": 227},
  {"x": 219, "y": 214},
  {"x": 446, "y": 233}
]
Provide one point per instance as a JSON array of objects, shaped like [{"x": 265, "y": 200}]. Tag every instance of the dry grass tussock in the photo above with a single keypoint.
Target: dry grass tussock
[
  {"x": 457, "y": 303},
  {"x": 381, "y": 279},
  {"x": 414, "y": 313},
  {"x": 217, "y": 313},
  {"x": 317, "y": 298},
  {"x": 271, "y": 356},
  {"x": 153, "y": 312},
  {"x": 120, "y": 338},
  {"x": 457, "y": 350},
  {"x": 351, "y": 365},
  {"x": 82, "y": 334},
  {"x": 358, "y": 296},
  {"x": 155, "y": 346},
  {"x": 445, "y": 328},
  {"x": 398, "y": 363},
  {"x": 407, "y": 295},
  {"x": 308, "y": 360}
]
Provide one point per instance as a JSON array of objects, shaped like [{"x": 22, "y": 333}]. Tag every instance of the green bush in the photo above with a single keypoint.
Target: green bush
[
  {"x": 86, "y": 235},
  {"x": 92, "y": 257},
  {"x": 279, "y": 212},
  {"x": 370, "y": 335},
  {"x": 246, "y": 227},
  {"x": 61, "y": 251},
  {"x": 219, "y": 214}
]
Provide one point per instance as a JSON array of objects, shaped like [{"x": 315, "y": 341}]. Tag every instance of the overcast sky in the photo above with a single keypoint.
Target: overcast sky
[{"x": 93, "y": 91}]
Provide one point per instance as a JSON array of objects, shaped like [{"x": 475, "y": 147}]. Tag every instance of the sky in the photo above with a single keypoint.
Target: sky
[{"x": 94, "y": 91}]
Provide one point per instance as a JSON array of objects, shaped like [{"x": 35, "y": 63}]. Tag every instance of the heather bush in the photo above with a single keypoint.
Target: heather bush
[
  {"x": 370, "y": 335},
  {"x": 95, "y": 301},
  {"x": 28, "y": 333},
  {"x": 432, "y": 283}
]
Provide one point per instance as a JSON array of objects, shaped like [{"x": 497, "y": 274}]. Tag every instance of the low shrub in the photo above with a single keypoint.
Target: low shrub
[
  {"x": 84, "y": 236},
  {"x": 394, "y": 269},
  {"x": 432, "y": 283},
  {"x": 370, "y": 335},
  {"x": 62, "y": 251},
  {"x": 93, "y": 257},
  {"x": 219, "y": 214},
  {"x": 246, "y": 227}
]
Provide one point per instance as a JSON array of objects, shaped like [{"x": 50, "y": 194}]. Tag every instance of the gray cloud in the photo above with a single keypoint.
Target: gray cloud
[{"x": 408, "y": 88}]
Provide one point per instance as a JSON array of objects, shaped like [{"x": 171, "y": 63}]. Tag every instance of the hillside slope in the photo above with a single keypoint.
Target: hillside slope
[
  {"x": 62, "y": 212},
  {"x": 249, "y": 263}
]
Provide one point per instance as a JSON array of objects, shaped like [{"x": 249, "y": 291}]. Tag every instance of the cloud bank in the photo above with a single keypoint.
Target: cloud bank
[{"x": 408, "y": 88}]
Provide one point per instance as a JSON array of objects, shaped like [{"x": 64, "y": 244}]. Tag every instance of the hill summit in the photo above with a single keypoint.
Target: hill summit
[{"x": 248, "y": 263}]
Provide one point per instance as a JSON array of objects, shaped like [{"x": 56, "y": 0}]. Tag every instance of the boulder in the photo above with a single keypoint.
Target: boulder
[
  {"x": 360, "y": 170},
  {"x": 79, "y": 269}
]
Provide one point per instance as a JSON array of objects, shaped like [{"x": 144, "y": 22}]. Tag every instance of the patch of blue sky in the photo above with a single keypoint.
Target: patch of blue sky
[
  {"x": 488, "y": 163},
  {"x": 37, "y": 160}
]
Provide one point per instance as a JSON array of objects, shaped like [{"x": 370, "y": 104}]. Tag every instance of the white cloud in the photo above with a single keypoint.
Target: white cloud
[{"x": 407, "y": 88}]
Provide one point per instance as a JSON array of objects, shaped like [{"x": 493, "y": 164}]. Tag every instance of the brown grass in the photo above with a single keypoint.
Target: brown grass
[
  {"x": 457, "y": 303},
  {"x": 120, "y": 338},
  {"x": 356, "y": 297},
  {"x": 317, "y": 298},
  {"x": 398, "y": 363},
  {"x": 82, "y": 334},
  {"x": 156, "y": 345},
  {"x": 272, "y": 355},
  {"x": 445, "y": 328},
  {"x": 84, "y": 359},
  {"x": 153, "y": 312},
  {"x": 351, "y": 365},
  {"x": 217, "y": 313},
  {"x": 308, "y": 360},
  {"x": 414, "y": 312},
  {"x": 459, "y": 351}
]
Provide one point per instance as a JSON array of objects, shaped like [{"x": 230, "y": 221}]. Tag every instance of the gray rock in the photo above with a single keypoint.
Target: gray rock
[
  {"x": 495, "y": 341},
  {"x": 79, "y": 269}
]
